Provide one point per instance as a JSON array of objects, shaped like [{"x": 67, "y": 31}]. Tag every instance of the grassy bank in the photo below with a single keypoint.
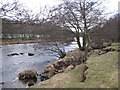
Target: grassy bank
[{"x": 102, "y": 73}]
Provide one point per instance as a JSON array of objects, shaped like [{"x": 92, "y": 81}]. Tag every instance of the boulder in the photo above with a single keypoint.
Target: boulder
[
  {"x": 108, "y": 43},
  {"x": 69, "y": 68},
  {"x": 26, "y": 75},
  {"x": 48, "y": 61},
  {"x": 31, "y": 83},
  {"x": 30, "y": 54},
  {"x": 13, "y": 54},
  {"x": 49, "y": 71},
  {"x": 21, "y": 53},
  {"x": 118, "y": 50},
  {"x": 2, "y": 82},
  {"x": 72, "y": 59},
  {"x": 44, "y": 77},
  {"x": 109, "y": 49},
  {"x": 96, "y": 46},
  {"x": 60, "y": 71}
]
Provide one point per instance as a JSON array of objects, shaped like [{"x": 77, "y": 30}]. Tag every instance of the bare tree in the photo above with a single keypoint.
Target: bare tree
[
  {"x": 52, "y": 48},
  {"x": 25, "y": 21},
  {"x": 17, "y": 11},
  {"x": 10, "y": 9},
  {"x": 79, "y": 16},
  {"x": 58, "y": 49},
  {"x": 33, "y": 21}
]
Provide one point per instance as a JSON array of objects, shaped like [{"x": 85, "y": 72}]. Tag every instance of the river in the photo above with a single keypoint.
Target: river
[{"x": 12, "y": 65}]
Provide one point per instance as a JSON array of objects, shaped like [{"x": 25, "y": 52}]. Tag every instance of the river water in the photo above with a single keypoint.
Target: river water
[{"x": 12, "y": 65}]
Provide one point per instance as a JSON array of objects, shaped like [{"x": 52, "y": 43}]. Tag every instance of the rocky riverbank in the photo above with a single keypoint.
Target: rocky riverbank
[
  {"x": 69, "y": 62},
  {"x": 72, "y": 59},
  {"x": 102, "y": 72}
]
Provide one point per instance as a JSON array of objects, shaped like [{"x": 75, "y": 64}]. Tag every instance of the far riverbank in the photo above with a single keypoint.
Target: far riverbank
[{"x": 25, "y": 41}]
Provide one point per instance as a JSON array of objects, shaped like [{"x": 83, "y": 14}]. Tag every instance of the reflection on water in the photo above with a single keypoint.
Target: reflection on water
[{"x": 12, "y": 65}]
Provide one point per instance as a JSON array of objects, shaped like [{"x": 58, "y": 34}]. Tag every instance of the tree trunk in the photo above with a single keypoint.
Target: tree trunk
[
  {"x": 78, "y": 42},
  {"x": 88, "y": 44},
  {"x": 84, "y": 41}
]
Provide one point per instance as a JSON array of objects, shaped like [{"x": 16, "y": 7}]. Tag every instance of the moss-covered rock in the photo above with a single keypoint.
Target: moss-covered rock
[
  {"x": 26, "y": 75},
  {"x": 72, "y": 58}
]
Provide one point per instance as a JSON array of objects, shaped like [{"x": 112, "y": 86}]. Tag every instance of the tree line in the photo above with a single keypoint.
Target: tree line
[{"x": 46, "y": 30}]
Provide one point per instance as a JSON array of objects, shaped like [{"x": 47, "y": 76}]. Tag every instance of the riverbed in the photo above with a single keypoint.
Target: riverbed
[{"x": 12, "y": 65}]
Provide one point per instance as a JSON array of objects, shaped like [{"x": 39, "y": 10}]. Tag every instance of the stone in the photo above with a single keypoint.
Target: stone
[
  {"x": 48, "y": 61},
  {"x": 50, "y": 71},
  {"x": 44, "y": 77},
  {"x": 74, "y": 58},
  {"x": 109, "y": 49},
  {"x": 60, "y": 71},
  {"x": 96, "y": 46},
  {"x": 30, "y": 74},
  {"x": 30, "y": 84},
  {"x": 12, "y": 54},
  {"x": 69, "y": 68},
  {"x": 30, "y": 54},
  {"x": 107, "y": 43},
  {"x": 21, "y": 53},
  {"x": 2, "y": 82},
  {"x": 118, "y": 50}
]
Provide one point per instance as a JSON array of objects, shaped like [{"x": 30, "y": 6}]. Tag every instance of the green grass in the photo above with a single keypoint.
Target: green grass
[{"x": 102, "y": 73}]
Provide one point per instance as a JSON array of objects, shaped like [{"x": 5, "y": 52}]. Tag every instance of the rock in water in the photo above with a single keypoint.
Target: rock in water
[
  {"x": 44, "y": 77},
  {"x": 30, "y": 84},
  {"x": 21, "y": 53},
  {"x": 2, "y": 82},
  {"x": 30, "y": 54},
  {"x": 12, "y": 54},
  {"x": 48, "y": 61},
  {"x": 26, "y": 75}
]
